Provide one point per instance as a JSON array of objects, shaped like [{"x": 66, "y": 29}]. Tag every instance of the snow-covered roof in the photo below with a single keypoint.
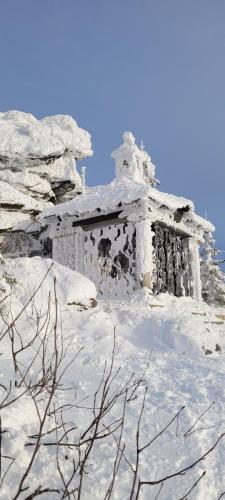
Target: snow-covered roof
[
  {"x": 109, "y": 196},
  {"x": 122, "y": 192},
  {"x": 25, "y": 140},
  {"x": 200, "y": 221}
]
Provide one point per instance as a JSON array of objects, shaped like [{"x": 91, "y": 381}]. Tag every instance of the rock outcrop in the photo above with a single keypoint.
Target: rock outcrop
[{"x": 37, "y": 170}]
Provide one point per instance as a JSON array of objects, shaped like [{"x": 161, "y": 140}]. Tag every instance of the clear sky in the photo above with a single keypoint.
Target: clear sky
[{"x": 156, "y": 67}]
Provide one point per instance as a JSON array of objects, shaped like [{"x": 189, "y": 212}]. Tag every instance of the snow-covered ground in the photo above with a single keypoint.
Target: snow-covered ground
[{"x": 185, "y": 343}]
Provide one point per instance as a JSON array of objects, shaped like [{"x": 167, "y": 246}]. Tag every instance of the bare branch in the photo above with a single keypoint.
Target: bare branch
[
  {"x": 184, "y": 497},
  {"x": 197, "y": 420},
  {"x": 183, "y": 471}
]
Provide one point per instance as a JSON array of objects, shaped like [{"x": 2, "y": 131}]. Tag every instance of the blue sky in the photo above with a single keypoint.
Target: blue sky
[{"x": 156, "y": 67}]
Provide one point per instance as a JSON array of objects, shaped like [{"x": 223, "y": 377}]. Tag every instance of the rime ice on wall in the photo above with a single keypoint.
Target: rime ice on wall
[
  {"x": 106, "y": 254},
  {"x": 67, "y": 249},
  {"x": 144, "y": 253},
  {"x": 109, "y": 258}
]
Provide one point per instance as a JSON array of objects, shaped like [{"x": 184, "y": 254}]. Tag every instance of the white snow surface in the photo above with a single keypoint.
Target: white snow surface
[
  {"x": 108, "y": 196},
  {"x": 176, "y": 334},
  {"x": 72, "y": 287},
  {"x": 25, "y": 140},
  {"x": 125, "y": 191}
]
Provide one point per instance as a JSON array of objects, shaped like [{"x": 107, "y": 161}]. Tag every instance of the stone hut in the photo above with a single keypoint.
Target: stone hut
[{"x": 128, "y": 234}]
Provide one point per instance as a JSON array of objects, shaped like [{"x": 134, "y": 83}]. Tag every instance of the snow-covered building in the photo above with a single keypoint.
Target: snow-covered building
[{"x": 128, "y": 234}]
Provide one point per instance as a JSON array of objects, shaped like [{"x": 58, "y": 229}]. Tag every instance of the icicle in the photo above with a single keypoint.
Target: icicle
[{"x": 83, "y": 177}]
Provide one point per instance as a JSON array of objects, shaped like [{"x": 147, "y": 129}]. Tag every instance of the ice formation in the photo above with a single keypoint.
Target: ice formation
[{"x": 132, "y": 162}]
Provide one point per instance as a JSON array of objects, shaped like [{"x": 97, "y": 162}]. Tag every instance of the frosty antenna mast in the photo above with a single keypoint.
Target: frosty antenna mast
[{"x": 83, "y": 179}]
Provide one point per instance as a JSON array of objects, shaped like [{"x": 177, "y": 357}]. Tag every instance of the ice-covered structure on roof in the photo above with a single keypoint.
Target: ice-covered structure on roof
[
  {"x": 37, "y": 171},
  {"x": 132, "y": 162},
  {"x": 128, "y": 234}
]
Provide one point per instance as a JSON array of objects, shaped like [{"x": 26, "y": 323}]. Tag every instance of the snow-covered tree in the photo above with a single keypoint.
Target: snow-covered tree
[{"x": 212, "y": 277}]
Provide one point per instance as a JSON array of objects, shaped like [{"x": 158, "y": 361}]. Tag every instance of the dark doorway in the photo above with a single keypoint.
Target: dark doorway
[{"x": 172, "y": 261}]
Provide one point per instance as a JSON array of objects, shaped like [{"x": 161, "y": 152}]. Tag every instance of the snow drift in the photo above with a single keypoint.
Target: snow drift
[{"x": 23, "y": 276}]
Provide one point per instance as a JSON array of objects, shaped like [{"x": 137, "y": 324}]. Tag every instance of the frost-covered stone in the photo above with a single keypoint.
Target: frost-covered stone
[
  {"x": 38, "y": 157},
  {"x": 27, "y": 141},
  {"x": 28, "y": 183},
  {"x": 37, "y": 170}
]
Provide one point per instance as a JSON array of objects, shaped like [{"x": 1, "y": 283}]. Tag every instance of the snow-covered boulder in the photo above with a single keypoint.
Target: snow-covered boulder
[{"x": 35, "y": 277}]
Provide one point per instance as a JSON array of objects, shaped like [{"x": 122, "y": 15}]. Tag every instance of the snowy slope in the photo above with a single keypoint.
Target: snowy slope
[{"x": 186, "y": 346}]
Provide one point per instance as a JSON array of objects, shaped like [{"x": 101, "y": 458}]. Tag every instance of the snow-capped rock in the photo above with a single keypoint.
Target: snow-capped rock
[
  {"x": 38, "y": 164},
  {"x": 27, "y": 141}
]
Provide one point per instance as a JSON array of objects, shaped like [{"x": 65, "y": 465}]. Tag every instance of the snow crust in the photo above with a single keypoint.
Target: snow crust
[{"x": 25, "y": 140}]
